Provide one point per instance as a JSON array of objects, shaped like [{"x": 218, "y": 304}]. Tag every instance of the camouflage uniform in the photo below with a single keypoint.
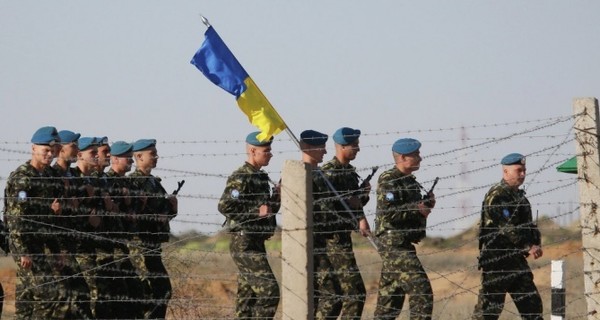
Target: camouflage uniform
[
  {"x": 506, "y": 233},
  {"x": 78, "y": 292},
  {"x": 133, "y": 289},
  {"x": 398, "y": 226},
  {"x": 39, "y": 293},
  {"x": 328, "y": 291},
  {"x": 153, "y": 211},
  {"x": 85, "y": 235},
  {"x": 339, "y": 242},
  {"x": 112, "y": 288},
  {"x": 246, "y": 190}
]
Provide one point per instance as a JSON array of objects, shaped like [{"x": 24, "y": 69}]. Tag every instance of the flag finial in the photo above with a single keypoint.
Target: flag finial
[{"x": 205, "y": 21}]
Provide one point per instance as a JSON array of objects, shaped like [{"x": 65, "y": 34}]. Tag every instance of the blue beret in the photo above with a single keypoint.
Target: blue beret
[
  {"x": 67, "y": 136},
  {"x": 313, "y": 138},
  {"x": 102, "y": 141},
  {"x": 513, "y": 158},
  {"x": 406, "y": 146},
  {"x": 251, "y": 139},
  {"x": 45, "y": 136},
  {"x": 346, "y": 135},
  {"x": 120, "y": 148},
  {"x": 87, "y": 142},
  {"x": 143, "y": 144}
]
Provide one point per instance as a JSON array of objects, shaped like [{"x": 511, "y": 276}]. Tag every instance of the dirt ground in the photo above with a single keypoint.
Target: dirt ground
[{"x": 205, "y": 281}]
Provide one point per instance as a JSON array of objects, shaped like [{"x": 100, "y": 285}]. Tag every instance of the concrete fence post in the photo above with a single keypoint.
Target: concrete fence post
[{"x": 296, "y": 241}]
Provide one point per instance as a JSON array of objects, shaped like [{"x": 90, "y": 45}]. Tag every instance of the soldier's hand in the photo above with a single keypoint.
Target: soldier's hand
[
  {"x": 56, "y": 207},
  {"x": 424, "y": 209},
  {"x": 89, "y": 190},
  {"x": 126, "y": 198},
  {"x": 264, "y": 210},
  {"x": 364, "y": 228},
  {"x": 354, "y": 202},
  {"x": 367, "y": 187},
  {"x": 94, "y": 220},
  {"x": 174, "y": 202},
  {"x": 26, "y": 262},
  {"x": 431, "y": 199},
  {"x": 536, "y": 251}
]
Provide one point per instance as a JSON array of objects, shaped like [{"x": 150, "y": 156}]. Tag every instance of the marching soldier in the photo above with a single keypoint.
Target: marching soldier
[
  {"x": 328, "y": 302},
  {"x": 507, "y": 236},
  {"x": 399, "y": 225},
  {"x": 153, "y": 209},
  {"x": 345, "y": 180},
  {"x": 250, "y": 208}
]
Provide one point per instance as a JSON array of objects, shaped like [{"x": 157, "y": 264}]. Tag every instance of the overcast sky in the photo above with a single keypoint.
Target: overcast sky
[{"x": 422, "y": 69}]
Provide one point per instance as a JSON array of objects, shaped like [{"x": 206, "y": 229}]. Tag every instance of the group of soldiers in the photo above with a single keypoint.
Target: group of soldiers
[
  {"x": 87, "y": 242},
  {"x": 508, "y": 235}
]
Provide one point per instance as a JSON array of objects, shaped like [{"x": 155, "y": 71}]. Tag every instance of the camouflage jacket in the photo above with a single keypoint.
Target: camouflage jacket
[
  {"x": 86, "y": 188},
  {"x": 118, "y": 188},
  {"x": 151, "y": 207},
  {"x": 397, "y": 198},
  {"x": 246, "y": 190},
  {"x": 506, "y": 229},
  {"x": 346, "y": 182},
  {"x": 29, "y": 217}
]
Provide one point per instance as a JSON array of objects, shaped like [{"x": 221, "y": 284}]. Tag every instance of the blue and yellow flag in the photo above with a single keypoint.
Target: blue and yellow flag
[{"x": 221, "y": 67}]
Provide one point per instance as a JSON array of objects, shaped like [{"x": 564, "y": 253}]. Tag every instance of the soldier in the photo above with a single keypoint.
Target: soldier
[
  {"x": 250, "y": 208},
  {"x": 154, "y": 209},
  {"x": 110, "y": 280},
  {"x": 345, "y": 180},
  {"x": 507, "y": 235},
  {"x": 78, "y": 293},
  {"x": 132, "y": 290},
  {"x": 103, "y": 154},
  {"x": 328, "y": 302},
  {"x": 87, "y": 216},
  {"x": 30, "y": 207},
  {"x": 400, "y": 223}
]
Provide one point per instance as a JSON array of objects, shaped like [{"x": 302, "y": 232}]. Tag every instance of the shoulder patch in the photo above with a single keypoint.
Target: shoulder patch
[
  {"x": 235, "y": 193},
  {"x": 506, "y": 213},
  {"x": 22, "y": 196},
  {"x": 389, "y": 196}
]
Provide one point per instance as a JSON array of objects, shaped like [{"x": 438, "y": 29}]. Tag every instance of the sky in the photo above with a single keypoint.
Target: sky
[{"x": 505, "y": 71}]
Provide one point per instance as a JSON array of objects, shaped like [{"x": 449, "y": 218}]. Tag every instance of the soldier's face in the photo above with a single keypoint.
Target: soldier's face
[
  {"x": 42, "y": 154},
  {"x": 69, "y": 151},
  {"x": 316, "y": 153},
  {"x": 514, "y": 175},
  {"x": 410, "y": 162},
  {"x": 351, "y": 150},
  {"x": 103, "y": 156},
  {"x": 148, "y": 158},
  {"x": 262, "y": 155},
  {"x": 89, "y": 156},
  {"x": 122, "y": 163}
]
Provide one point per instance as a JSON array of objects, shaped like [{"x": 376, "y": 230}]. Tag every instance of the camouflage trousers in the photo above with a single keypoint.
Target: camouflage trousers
[
  {"x": 39, "y": 293},
  {"x": 258, "y": 291},
  {"x": 518, "y": 282},
  {"x": 77, "y": 292},
  {"x": 113, "y": 300},
  {"x": 402, "y": 273},
  {"x": 146, "y": 258},
  {"x": 327, "y": 289},
  {"x": 345, "y": 268},
  {"x": 137, "y": 252},
  {"x": 88, "y": 267}
]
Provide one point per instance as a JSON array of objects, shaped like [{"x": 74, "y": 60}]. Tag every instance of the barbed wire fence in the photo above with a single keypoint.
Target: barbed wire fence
[{"x": 203, "y": 275}]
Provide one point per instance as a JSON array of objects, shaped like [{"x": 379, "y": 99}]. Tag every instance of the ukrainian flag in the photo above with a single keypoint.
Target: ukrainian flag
[{"x": 221, "y": 67}]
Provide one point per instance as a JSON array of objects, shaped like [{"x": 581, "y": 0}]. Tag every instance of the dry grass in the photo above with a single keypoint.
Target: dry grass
[{"x": 204, "y": 279}]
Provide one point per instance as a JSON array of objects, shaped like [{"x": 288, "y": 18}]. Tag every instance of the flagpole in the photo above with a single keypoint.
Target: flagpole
[{"x": 297, "y": 142}]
